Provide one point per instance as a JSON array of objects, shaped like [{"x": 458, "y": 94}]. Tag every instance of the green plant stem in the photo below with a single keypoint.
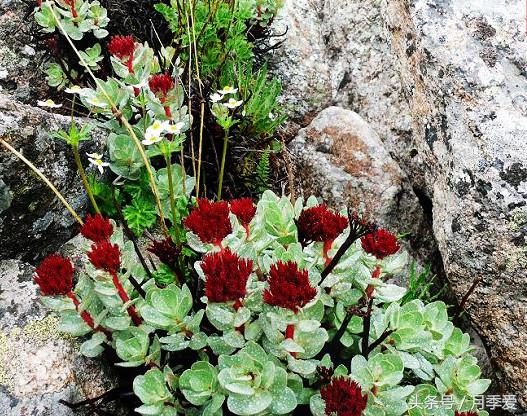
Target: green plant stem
[
  {"x": 82, "y": 173},
  {"x": 173, "y": 210},
  {"x": 222, "y": 167}
]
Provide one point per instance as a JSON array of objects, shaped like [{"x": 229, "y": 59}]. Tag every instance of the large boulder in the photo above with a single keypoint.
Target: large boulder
[
  {"x": 463, "y": 68},
  {"x": 38, "y": 365},
  {"x": 33, "y": 221},
  {"x": 340, "y": 158}
]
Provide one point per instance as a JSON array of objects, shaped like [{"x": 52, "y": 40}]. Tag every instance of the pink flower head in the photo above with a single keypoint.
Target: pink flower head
[
  {"x": 226, "y": 275},
  {"x": 320, "y": 224},
  {"x": 343, "y": 397},
  {"x": 105, "y": 256},
  {"x": 288, "y": 287},
  {"x": 380, "y": 243},
  {"x": 54, "y": 276},
  {"x": 244, "y": 209},
  {"x": 97, "y": 228},
  {"x": 210, "y": 221}
]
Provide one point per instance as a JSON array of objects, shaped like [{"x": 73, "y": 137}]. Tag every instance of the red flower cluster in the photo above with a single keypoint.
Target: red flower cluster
[
  {"x": 343, "y": 397},
  {"x": 105, "y": 256},
  {"x": 288, "y": 287},
  {"x": 122, "y": 47},
  {"x": 54, "y": 276},
  {"x": 466, "y": 414},
  {"x": 320, "y": 224},
  {"x": 165, "y": 250},
  {"x": 244, "y": 209},
  {"x": 380, "y": 243},
  {"x": 210, "y": 221},
  {"x": 97, "y": 228},
  {"x": 161, "y": 84},
  {"x": 226, "y": 275}
]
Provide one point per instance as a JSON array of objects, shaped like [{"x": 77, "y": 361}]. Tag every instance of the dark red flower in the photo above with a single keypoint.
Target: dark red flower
[
  {"x": 343, "y": 397},
  {"x": 380, "y": 243},
  {"x": 165, "y": 250},
  {"x": 226, "y": 275},
  {"x": 210, "y": 221},
  {"x": 244, "y": 209},
  {"x": 161, "y": 84},
  {"x": 97, "y": 228},
  {"x": 122, "y": 47},
  {"x": 54, "y": 276},
  {"x": 466, "y": 414},
  {"x": 320, "y": 224},
  {"x": 105, "y": 256},
  {"x": 288, "y": 286}
]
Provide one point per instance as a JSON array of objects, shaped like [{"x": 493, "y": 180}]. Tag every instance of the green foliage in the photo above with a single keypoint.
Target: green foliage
[
  {"x": 420, "y": 285},
  {"x": 140, "y": 215}
]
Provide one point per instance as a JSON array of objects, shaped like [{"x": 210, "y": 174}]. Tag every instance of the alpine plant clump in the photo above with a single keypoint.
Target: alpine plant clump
[{"x": 288, "y": 310}]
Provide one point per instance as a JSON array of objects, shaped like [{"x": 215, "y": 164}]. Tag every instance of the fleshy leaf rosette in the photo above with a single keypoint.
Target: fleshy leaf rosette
[{"x": 254, "y": 383}]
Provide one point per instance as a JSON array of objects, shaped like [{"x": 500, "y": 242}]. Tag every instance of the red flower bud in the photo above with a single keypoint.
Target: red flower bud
[
  {"x": 380, "y": 243},
  {"x": 161, "y": 84},
  {"x": 288, "y": 287},
  {"x": 165, "y": 250},
  {"x": 343, "y": 397},
  {"x": 226, "y": 275},
  {"x": 54, "y": 276},
  {"x": 244, "y": 209},
  {"x": 97, "y": 228},
  {"x": 122, "y": 47},
  {"x": 210, "y": 221},
  {"x": 105, "y": 256},
  {"x": 320, "y": 224}
]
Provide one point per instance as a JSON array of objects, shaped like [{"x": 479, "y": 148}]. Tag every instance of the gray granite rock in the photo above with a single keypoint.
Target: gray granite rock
[
  {"x": 38, "y": 365},
  {"x": 340, "y": 158},
  {"x": 33, "y": 222},
  {"x": 463, "y": 69}
]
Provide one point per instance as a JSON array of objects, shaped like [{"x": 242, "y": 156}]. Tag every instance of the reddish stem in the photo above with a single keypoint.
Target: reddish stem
[
  {"x": 327, "y": 247},
  {"x": 85, "y": 315},
  {"x": 247, "y": 231},
  {"x": 168, "y": 112},
  {"x": 124, "y": 297},
  {"x": 289, "y": 334},
  {"x": 129, "y": 64},
  {"x": 71, "y": 3}
]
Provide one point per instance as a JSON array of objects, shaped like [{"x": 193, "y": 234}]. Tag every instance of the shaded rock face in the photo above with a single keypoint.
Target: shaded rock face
[
  {"x": 443, "y": 84},
  {"x": 341, "y": 159},
  {"x": 463, "y": 68},
  {"x": 33, "y": 222},
  {"x": 38, "y": 365}
]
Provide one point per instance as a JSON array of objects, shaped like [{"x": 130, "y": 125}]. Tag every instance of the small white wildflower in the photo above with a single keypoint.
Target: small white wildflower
[
  {"x": 228, "y": 90},
  {"x": 96, "y": 160},
  {"x": 272, "y": 117},
  {"x": 233, "y": 103},
  {"x": 175, "y": 128},
  {"x": 157, "y": 127},
  {"x": 75, "y": 89},
  {"x": 49, "y": 103},
  {"x": 151, "y": 139},
  {"x": 216, "y": 97}
]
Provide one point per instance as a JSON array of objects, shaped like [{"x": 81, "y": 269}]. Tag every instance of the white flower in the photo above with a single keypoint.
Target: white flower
[
  {"x": 272, "y": 117},
  {"x": 228, "y": 90},
  {"x": 151, "y": 139},
  {"x": 49, "y": 103},
  {"x": 216, "y": 97},
  {"x": 175, "y": 128},
  {"x": 157, "y": 127},
  {"x": 75, "y": 89},
  {"x": 96, "y": 160},
  {"x": 233, "y": 103}
]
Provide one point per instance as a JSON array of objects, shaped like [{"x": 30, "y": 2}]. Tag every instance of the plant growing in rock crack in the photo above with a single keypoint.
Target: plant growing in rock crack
[{"x": 288, "y": 312}]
